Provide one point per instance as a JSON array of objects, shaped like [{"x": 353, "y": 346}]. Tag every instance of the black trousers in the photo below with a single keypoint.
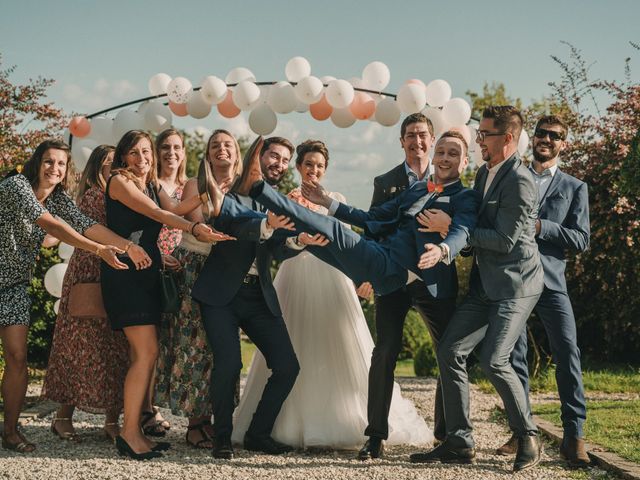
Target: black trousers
[
  {"x": 248, "y": 311},
  {"x": 391, "y": 310}
]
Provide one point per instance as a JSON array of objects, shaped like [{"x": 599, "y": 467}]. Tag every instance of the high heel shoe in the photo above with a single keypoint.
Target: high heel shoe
[
  {"x": 126, "y": 451},
  {"x": 161, "y": 447}
]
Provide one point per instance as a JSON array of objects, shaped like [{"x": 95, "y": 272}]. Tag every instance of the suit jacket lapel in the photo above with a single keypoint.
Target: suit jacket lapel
[
  {"x": 553, "y": 186},
  {"x": 508, "y": 165}
]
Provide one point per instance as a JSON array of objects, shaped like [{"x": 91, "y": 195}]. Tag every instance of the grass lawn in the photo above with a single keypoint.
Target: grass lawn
[
  {"x": 403, "y": 369},
  {"x": 614, "y": 425}
]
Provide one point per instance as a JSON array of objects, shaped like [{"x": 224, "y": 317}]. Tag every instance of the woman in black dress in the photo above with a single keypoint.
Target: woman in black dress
[{"x": 136, "y": 209}]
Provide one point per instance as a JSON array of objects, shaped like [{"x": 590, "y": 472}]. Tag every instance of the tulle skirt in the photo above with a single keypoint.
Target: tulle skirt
[{"x": 328, "y": 404}]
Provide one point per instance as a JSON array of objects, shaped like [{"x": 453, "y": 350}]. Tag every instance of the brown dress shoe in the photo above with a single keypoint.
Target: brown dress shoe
[
  {"x": 509, "y": 448},
  {"x": 251, "y": 171},
  {"x": 211, "y": 196},
  {"x": 573, "y": 451}
]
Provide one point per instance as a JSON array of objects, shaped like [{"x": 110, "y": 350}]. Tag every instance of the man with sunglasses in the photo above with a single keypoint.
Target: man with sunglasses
[
  {"x": 505, "y": 284},
  {"x": 563, "y": 224}
]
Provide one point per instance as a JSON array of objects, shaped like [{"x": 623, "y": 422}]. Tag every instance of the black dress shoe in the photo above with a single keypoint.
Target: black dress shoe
[
  {"x": 444, "y": 453},
  {"x": 373, "y": 448},
  {"x": 161, "y": 447},
  {"x": 265, "y": 445},
  {"x": 222, "y": 448},
  {"x": 529, "y": 452},
  {"x": 126, "y": 451}
]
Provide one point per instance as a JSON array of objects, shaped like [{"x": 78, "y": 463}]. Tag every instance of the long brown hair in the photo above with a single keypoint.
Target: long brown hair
[
  {"x": 182, "y": 169},
  {"x": 31, "y": 168},
  {"x": 92, "y": 174},
  {"x": 237, "y": 169},
  {"x": 126, "y": 143}
]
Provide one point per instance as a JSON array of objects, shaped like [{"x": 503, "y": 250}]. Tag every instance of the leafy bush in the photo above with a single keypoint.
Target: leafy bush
[{"x": 425, "y": 363}]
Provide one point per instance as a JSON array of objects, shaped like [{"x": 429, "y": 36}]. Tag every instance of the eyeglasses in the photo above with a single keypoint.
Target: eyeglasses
[
  {"x": 481, "y": 134},
  {"x": 553, "y": 135}
]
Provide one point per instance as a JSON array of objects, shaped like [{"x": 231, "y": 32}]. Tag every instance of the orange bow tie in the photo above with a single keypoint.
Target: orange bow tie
[{"x": 434, "y": 187}]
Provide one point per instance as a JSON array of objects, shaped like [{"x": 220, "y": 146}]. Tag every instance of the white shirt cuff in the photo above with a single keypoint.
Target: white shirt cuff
[
  {"x": 293, "y": 244},
  {"x": 447, "y": 257},
  {"x": 265, "y": 230},
  {"x": 333, "y": 207}
]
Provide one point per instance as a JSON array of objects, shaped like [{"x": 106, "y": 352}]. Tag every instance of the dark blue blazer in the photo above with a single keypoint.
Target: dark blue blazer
[
  {"x": 564, "y": 226},
  {"x": 396, "y": 231},
  {"x": 229, "y": 262}
]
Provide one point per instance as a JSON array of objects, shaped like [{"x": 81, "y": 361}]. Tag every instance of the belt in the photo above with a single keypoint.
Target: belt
[{"x": 251, "y": 280}]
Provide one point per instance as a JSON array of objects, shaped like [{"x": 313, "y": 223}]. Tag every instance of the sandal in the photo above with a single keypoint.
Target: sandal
[
  {"x": 69, "y": 436},
  {"x": 152, "y": 429},
  {"x": 23, "y": 446},
  {"x": 163, "y": 423},
  {"x": 206, "y": 442}
]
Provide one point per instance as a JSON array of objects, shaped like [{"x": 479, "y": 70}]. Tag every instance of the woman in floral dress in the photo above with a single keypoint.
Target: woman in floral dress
[{"x": 88, "y": 360}]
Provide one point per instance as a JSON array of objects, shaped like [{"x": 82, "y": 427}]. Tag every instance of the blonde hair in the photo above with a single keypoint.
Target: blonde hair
[
  {"x": 92, "y": 174},
  {"x": 237, "y": 169}
]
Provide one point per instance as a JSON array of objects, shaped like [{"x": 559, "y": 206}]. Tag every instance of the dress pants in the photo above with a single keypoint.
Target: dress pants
[
  {"x": 391, "y": 310},
  {"x": 498, "y": 324},
  {"x": 556, "y": 314},
  {"x": 248, "y": 311}
]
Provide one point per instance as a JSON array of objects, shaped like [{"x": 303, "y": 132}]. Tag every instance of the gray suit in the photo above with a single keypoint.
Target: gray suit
[{"x": 506, "y": 282}]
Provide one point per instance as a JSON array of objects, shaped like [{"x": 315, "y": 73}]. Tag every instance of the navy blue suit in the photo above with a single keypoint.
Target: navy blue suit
[
  {"x": 564, "y": 226},
  {"x": 229, "y": 300},
  {"x": 385, "y": 263}
]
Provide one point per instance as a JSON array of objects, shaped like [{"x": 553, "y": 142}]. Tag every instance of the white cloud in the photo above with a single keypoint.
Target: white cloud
[{"x": 102, "y": 94}]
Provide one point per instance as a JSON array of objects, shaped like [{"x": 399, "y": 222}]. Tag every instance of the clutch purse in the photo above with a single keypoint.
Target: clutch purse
[
  {"x": 85, "y": 301},
  {"x": 169, "y": 297}
]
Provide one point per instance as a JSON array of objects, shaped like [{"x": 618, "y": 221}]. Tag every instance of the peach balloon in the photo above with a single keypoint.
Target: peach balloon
[
  {"x": 363, "y": 106},
  {"x": 179, "y": 109},
  {"x": 227, "y": 108},
  {"x": 79, "y": 127},
  {"x": 321, "y": 110}
]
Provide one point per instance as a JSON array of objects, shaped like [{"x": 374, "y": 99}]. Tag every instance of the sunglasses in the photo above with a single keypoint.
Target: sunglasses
[{"x": 555, "y": 136}]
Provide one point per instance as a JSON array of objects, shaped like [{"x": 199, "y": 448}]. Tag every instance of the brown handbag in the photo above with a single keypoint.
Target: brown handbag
[{"x": 85, "y": 301}]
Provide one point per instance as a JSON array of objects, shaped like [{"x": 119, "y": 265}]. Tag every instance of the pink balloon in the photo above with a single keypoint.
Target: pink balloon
[
  {"x": 227, "y": 108},
  {"x": 79, "y": 127},
  {"x": 179, "y": 109},
  {"x": 321, "y": 110},
  {"x": 363, "y": 106},
  {"x": 416, "y": 81}
]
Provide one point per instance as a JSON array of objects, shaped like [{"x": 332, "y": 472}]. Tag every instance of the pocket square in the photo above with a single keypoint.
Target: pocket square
[
  {"x": 443, "y": 200},
  {"x": 490, "y": 202}
]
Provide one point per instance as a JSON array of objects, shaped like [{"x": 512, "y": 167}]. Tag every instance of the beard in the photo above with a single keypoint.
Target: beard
[{"x": 544, "y": 157}]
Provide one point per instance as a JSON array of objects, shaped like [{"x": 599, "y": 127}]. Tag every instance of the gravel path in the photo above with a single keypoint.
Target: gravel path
[{"x": 96, "y": 458}]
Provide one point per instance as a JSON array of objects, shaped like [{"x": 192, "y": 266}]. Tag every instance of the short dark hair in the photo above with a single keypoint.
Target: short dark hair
[
  {"x": 506, "y": 118},
  {"x": 553, "y": 120},
  {"x": 31, "y": 169},
  {"x": 278, "y": 141},
  {"x": 309, "y": 146},
  {"x": 459, "y": 136},
  {"x": 415, "y": 118}
]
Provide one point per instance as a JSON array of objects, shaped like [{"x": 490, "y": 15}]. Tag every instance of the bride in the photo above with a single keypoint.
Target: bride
[{"x": 328, "y": 404}]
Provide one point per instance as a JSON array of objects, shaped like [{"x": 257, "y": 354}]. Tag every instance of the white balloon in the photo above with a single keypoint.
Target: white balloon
[
  {"x": 387, "y": 112},
  {"x": 125, "y": 120},
  {"x": 376, "y": 75},
  {"x": 476, "y": 157},
  {"x": 81, "y": 151},
  {"x": 262, "y": 120},
  {"x": 53, "y": 279},
  {"x": 342, "y": 117},
  {"x": 65, "y": 251},
  {"x": 358, "y": 83},
  {"x": 197, "y": 106},
  {"x": 438, "y": 121},
  {"x": 142, "y": 108},
  {"x": 265, "y": 91},
  {"x": 213, "y": 89},
  {"x": 411, "y": 98},
  {"x": 56, "y": 306},
  {"x": 326, "y": 79},
  {"x": 438, "y": 93},
  {"x": 157, "y": 117},
  {"x": 297, "y": 68},
  {"x": 246, "y": 95},
  {"x": 101, "y": 131},
  {"x": 66, "y": 136},
  {"x": 282, "y": 98},
  {"x": 158, "y": 84},
  {"x": 340, "y": 93},
  {"x": 238, "y": 74},
  {"x": 179, "y": 90},
  {"x": 523, "y": 142},
  {"x": 457, "y": 111},
  {"x": 309, "y": 90},
  {"x": 301, "y": 107},
  {"x": 473, "y": 132}
]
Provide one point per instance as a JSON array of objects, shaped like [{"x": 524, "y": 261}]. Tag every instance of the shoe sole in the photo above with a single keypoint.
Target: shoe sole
[
  {"x": 530, "y": 465},
  {"x": 460, "y": 461}
]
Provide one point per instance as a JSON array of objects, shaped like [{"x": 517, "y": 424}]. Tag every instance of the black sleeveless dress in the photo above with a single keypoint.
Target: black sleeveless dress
[{"x": 132, "y": 297}]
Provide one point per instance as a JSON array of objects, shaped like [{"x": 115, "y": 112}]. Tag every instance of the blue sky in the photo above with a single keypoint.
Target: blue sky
[{"x": 103, "y": 52}]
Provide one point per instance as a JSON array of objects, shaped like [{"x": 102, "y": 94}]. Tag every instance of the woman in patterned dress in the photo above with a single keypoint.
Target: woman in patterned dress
[
  {"x": 185, "y": 375},
  {"x": 88, "y": 360},
  {"x": 28, "y": 203}
]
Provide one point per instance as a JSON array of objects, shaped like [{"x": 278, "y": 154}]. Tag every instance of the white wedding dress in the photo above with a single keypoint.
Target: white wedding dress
[{"x": 328, "y": 404}]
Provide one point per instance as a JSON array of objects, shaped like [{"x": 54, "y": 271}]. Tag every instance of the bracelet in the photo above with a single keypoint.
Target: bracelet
[
  {"x": 193, "y": 227},
  {"x": 127, "y": 246},
  {"x": 444, "y": 252}
]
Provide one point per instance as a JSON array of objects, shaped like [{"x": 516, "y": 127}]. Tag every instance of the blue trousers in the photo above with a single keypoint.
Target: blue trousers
[{"x": 556, "y": 314}]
